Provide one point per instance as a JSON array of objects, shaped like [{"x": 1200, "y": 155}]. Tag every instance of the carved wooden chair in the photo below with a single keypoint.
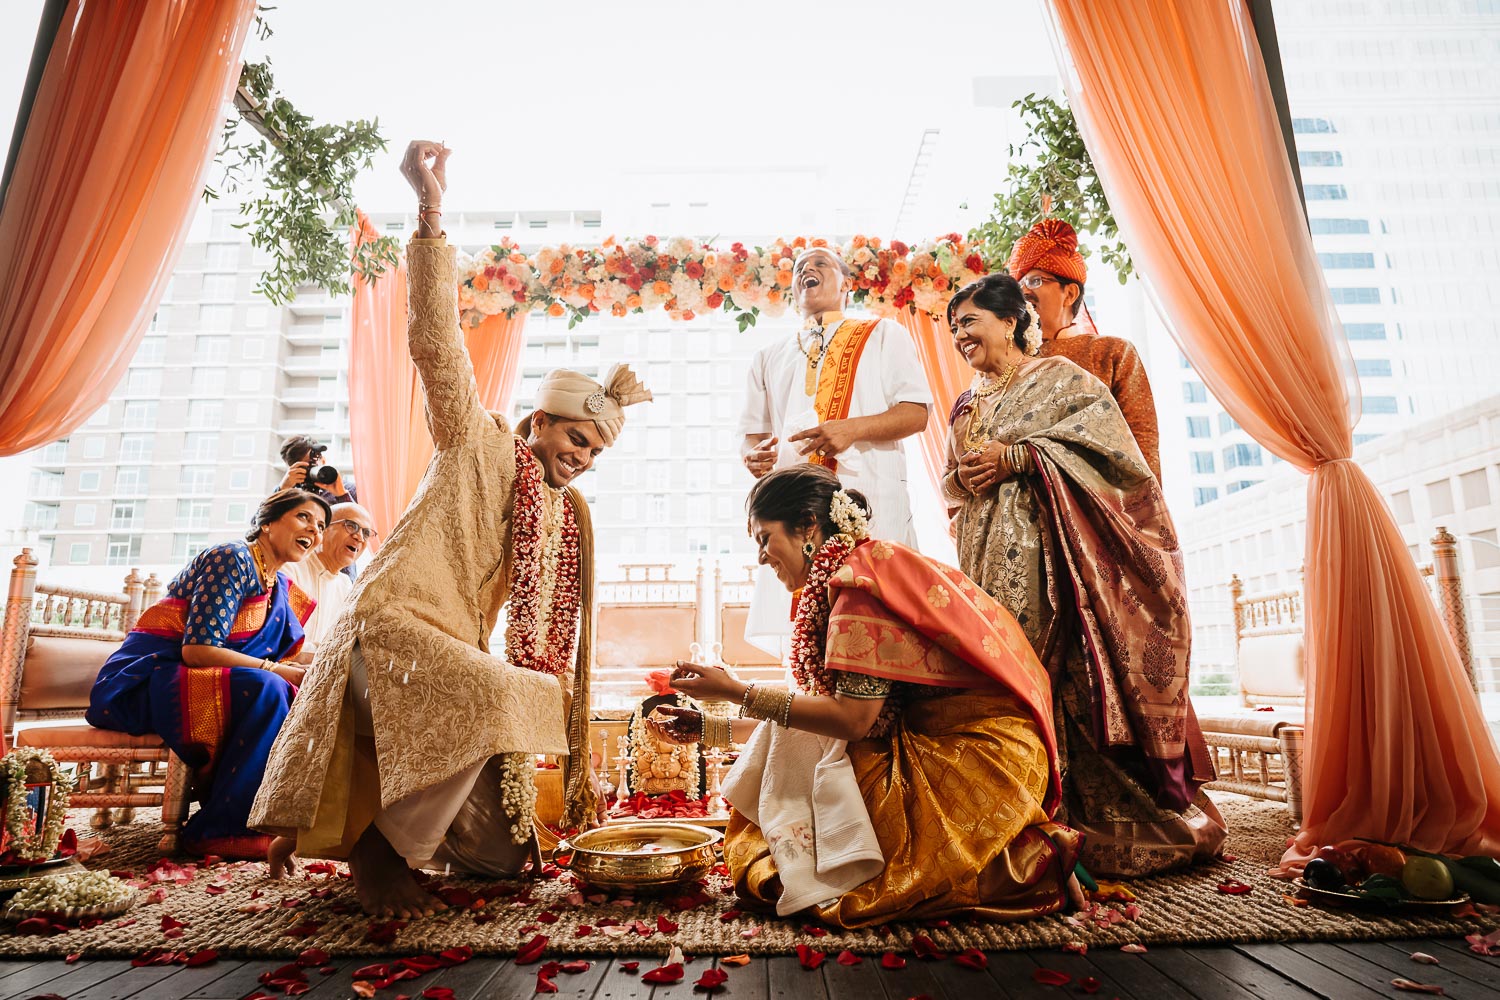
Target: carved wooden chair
[
  {"x": 732, "y": 609},
  {"x": 55, "y": 640}
]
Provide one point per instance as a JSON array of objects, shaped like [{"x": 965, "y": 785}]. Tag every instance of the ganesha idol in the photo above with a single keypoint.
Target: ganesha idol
[{"x": 658, "y": 767}]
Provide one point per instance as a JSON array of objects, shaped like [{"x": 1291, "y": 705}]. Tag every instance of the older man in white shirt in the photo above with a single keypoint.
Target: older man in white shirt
[
  {"x": 322, "y": 575},
  {"x": 842, "y": 393}
]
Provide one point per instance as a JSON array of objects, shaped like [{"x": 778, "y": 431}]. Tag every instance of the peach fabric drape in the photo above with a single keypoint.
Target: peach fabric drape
[
  {"x": 387, "y": 432},
  {"x": 106, "y": 180},
  {"x": 1173, "y": 103},
  {"x": 948, "y": 375}
]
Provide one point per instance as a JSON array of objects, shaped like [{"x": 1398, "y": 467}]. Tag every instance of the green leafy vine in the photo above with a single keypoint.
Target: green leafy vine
[
  {"x": 1051, "y": 173},
  {"x": 296, "y": 178}
]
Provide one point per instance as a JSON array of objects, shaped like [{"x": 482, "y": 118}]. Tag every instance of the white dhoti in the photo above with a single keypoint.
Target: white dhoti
[{"x": 458, "y": 824}]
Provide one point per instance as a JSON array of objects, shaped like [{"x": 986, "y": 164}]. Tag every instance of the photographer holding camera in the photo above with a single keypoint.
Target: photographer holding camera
[{"x": 306, "y": 471}]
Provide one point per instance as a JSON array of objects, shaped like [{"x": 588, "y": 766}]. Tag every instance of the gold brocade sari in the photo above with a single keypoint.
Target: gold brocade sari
[
  {"x": 962, "y": 787},
  {"x": 1083, "y": 552}
]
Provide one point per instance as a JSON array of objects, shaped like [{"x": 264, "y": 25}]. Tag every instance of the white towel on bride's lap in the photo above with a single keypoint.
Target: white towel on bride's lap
[{"x": 801, "y": 791}]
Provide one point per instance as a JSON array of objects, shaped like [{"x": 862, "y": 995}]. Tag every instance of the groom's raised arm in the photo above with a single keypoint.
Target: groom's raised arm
[{"x": 432, "y": 333}]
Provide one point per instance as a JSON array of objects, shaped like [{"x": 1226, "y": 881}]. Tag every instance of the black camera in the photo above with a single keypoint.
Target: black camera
[{"x": 319, "y": 476}]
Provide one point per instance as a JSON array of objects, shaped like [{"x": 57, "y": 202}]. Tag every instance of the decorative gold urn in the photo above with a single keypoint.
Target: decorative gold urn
[{"x": 642, "y": 856}]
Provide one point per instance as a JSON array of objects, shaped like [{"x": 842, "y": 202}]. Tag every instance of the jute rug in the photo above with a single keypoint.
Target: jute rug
[{"x": 236, "y": 910}]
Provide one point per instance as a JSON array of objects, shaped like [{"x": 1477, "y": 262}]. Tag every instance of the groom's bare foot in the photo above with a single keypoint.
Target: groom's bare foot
[
  {"x": 279, "y": 856},
  {"x": 383, "y": 881}
]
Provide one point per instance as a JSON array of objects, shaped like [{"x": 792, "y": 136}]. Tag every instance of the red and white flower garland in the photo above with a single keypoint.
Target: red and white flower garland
[
  {"x": 542, "y": 629},
  {"x": 810, "y": 626}
]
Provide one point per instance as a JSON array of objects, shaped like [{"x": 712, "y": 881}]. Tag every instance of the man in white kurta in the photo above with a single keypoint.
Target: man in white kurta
[
  {"x": 322, "y": 575},
  {"x": 886, "y": 402}
]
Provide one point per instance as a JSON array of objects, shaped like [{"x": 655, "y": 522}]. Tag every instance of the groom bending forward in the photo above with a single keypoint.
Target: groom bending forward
[{"x": 410, "y": 745}]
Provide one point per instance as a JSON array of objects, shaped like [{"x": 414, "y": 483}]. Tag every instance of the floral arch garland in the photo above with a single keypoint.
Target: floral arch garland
[{"x": 687, "y": 278}]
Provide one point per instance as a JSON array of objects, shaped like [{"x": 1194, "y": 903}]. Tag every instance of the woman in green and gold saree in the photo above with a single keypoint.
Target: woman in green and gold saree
[{"x": 1059, "y": 518}]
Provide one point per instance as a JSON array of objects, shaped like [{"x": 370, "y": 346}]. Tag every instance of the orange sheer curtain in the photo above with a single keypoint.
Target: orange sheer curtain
[
  {"x": 1173, "y": 103},
  {"x": 107, "y": 176},
  {"x": 947, "y": 374},
  {"x": 387, "y": 433}
]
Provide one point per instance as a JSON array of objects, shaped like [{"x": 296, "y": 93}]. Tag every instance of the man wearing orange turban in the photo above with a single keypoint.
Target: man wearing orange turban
[{"x": 1052, "y": 274}]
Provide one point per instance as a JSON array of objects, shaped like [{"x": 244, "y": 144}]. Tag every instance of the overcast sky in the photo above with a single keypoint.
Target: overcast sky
[{"x": 548, "y": 105}]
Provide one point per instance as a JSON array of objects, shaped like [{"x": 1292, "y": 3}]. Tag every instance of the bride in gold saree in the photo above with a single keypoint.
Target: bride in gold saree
[
  {"x": 1059, "y": 518},
  {"x": 912, "y": 773}
]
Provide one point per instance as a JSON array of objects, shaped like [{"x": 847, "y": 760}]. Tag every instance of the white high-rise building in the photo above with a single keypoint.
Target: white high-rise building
[{"x": 1396, "y": 115}]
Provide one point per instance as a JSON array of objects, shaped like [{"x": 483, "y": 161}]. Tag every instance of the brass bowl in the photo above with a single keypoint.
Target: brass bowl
[{"x": 642, "y": 856}]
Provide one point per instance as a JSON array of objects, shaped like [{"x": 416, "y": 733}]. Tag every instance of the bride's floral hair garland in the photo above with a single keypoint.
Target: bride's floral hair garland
[
  {"x": 687, "y": 278},
  {"x": 852, "y": 519}
]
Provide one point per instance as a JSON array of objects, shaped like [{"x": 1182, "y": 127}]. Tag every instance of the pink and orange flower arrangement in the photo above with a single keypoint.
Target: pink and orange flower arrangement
[{"x": 688, "y": 278}]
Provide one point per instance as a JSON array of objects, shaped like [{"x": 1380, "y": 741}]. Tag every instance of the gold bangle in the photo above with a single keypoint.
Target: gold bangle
[
  {"x": 717, "y": 731},
  {"x": 745, "y": 700},
  {"x": 766, "y": 704},
  {"x": 266, "y": 663},
  {"x": 1020, "y": 458},
  {"x": 786, "y": 712},
  {"x": 953, "y": 487}
]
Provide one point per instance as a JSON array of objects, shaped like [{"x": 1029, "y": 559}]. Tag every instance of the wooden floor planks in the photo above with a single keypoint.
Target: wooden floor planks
[{"x": 1331, "y": 971}]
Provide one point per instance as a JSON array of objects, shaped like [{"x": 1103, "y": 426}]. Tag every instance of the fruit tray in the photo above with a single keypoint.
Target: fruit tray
[{"x": 1333, "y": 898}]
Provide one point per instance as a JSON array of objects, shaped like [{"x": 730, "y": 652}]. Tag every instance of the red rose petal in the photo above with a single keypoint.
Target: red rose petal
[
  {"x": 1234, "y": 887},
  {"x": 364, "y": 989},
  {"x": 847, "y": 957},
  {"x": 891, "y": 960},
  {"x": 922, "y": 947},
  {"x": 377, "y": 971},
  {"x": 456, "y": 956},
  {"x": 308, "y": 928},
  {"x": 582, "y": 930},
  {"x": 438, "y": 993},
  {"x": 532, "y": 950},
  {"x": 170, "y": 923},
  {"x": 1089, "y": 984},
  {"x": 422, "y": 964},
  {"x": 545, "y": 985},
  {"x": 1050, "y": 977},
  {"x": 629, "y": 966},
  {"x": 381, "y": 933},
  {"x": 547, "y": 917},
  {"x": 729, "y": 915},
  {"x": 814, "y": 930},
  {"x": 711, "y": 980},
  {"x": 207, "y": 956},
  {"x": 666, "y": 974},
  {"x": 809, "y": 958},
  {"x": 311, "y": 957},
  {"x": 73, "y": 957},
  {"x": 664, "y": 925},
  {"x": 972, "y": 958}
]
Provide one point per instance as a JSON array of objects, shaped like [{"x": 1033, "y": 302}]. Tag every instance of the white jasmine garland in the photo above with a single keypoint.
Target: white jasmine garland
[
  {"x": 518, "y": 793},
  {"x": 849, "y": 516},
  {"x": 20, "y": 821},
  {"x": 72, "y": 890}
]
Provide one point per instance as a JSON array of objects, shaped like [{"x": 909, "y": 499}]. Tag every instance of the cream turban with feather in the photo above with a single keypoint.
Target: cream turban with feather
[{"x": 574, "y": 396}]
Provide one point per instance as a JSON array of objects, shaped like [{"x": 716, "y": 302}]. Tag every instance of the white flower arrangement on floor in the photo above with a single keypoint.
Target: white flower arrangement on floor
[
  {"x": 74, "y": 894},
  {"x": 20, "y": 821}
]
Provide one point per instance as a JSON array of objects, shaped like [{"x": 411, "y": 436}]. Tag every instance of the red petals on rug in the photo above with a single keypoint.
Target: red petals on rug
[
  {"x": 664, "y": 925},
  {"x": 664, "y": 975},
  {"x": 922, "y": 947},
  {"x": 712, "y": 979},
  {"x": 972, "y": 958},
  {"x": 206, "y": 956},
  {"x": 380, "y": 933},
  {"x": 308, "y": 928},
  {"x": 1133, "y": 948},
  {"x": 1233, "y": 887},
  {"x": 809, "y": 958},
  {"x": 729, "y": 915},
  {"x": 532, "y": 950},
  {"x": 1050, "y": 977}
]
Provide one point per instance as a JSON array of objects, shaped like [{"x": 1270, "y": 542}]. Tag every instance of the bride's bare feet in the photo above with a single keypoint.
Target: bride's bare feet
[
  {"x": 279, "y": 856},
  {"x": 383, "y": 881}
]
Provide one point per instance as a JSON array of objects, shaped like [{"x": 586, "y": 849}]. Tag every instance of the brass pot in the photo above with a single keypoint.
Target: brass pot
[{"x": 642, "y": 856}]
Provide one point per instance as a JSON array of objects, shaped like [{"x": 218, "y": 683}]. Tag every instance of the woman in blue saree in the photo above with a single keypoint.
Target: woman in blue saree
[{"x": 207, "y": 668}]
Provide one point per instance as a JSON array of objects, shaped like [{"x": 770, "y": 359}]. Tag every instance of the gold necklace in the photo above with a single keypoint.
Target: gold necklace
[
  {"x": 977, "y": 434},
  {"x": 260, "y": 567}
]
